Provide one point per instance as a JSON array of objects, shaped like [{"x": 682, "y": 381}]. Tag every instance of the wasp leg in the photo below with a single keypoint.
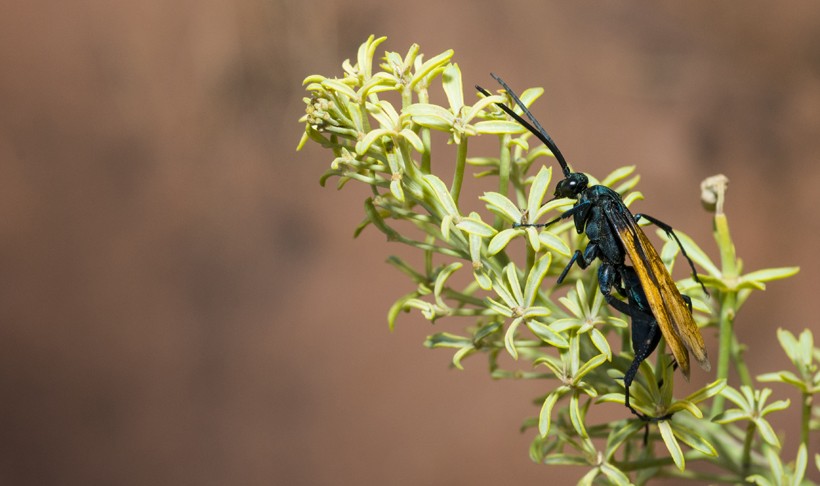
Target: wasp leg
[
  {"x": 583, "y": 260},
  {"x": 670, "y": 232}
]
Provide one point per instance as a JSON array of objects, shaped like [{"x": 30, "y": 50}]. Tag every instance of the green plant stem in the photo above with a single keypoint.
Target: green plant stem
[
  {"x": 806, "y": 403},
  {"x": 746, "y": 456},
  {"x": 726, "y": 333},
  {"x": 728, "y": 303},
  {"x": 461, "y": 161}
]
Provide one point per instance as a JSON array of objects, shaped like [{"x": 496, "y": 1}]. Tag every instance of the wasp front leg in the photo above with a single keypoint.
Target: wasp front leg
[{"x": 582, "y": 259}]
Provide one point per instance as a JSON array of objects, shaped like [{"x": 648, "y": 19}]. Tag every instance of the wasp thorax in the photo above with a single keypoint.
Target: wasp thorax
[{"x": 573, "y": 185}]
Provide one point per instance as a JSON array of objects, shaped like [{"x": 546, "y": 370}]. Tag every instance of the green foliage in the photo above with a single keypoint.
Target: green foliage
[{"x": 378, "y": 122}]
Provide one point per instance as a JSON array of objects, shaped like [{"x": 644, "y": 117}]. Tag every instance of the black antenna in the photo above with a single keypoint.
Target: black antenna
[{"x": 535, "y": 128}]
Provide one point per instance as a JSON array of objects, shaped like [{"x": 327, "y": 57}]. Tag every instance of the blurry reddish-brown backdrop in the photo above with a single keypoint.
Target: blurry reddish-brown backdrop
[{"x": 181, "y": 303}]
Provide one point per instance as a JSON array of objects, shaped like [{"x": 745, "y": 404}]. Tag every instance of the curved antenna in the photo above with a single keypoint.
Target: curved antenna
[{"x": 535, "y": 128}]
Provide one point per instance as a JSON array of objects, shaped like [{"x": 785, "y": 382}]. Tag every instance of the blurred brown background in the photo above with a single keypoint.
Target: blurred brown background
[{"x": 181, "y": 303}]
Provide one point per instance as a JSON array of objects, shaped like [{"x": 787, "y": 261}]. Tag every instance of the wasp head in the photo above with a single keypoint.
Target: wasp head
[{"x": 572, "y": 186}]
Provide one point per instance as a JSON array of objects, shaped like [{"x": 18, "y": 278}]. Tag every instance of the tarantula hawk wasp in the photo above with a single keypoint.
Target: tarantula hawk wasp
[{"x": 653, "y": 301}]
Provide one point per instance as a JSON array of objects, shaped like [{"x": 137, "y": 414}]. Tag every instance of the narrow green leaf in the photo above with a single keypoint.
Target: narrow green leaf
[
  {"x": 509, "y": 338},
  {"x": 590, "y": 365},
  {"x": 562, "y": 204},
  {"x": 377, "y": 84},
  {"x": 538, "y": 188},
  {"x": 800, "y": 464},
  {"x": 545, "y": 417},
  {"x": 618, "y": 175},
  {"x": 632, "y": 197},
  {"x": 536, "y": 311},
  {"x": 707, "y": 392},
  {"x": 476, "y": 227},
  {"x": 385, "y": 114},
  {"x": 447, "y": 340},
  {"x": 743, "y": 284},
  {"x": 767, "y": 432},
  {"x": 536, "y": 450},
  {"x": 428, "y": 110},
  {"x": 731, "y": 415},
  {"x": 451, "y": 81},
  {"x": 443, "y": 275},
  {"x": 397, "y": 190},
  {"x": 429, "y": 66},
  {"x": 806, "y": 341},
  {"x": 397, "y": 307},
  {"x": 497, "y": 307},
  {"x": 783, "y": 377},
  {"x": 560, "y": 459},
  {"x": 690, "y": 407},
  {"x": 461, "y": 354},
  {"x": 365, "y": 143},
  {"x": 777, "y": 406},
  {"x": 529, "y": 96},
  {"x": 501, "y": 205},
  {"x": 769, "y": 274},
  {"x": 501, "y": 290},
  {"x": 532, "y": 238},
  {"x": 627, "y": 185},
  {"x": 775, "y": 464},
  {"x": 615, "y": 475},
  {"x": 501, "y": 240},
  {"x": 487, "y": 330},
  {"x": 588, "y": 479},
  {"x": 498, "y": 127},
  {"x": 514, "y": 284},
  {"x": 736, "y": 397},
  {"x": 535, "y": 277},
  {"x": 366, "y": 53},
  {"x": 787, "y": 340},
  {"x": 758, "y": 479},
  {"x": 475, "y": 250},
  {"x": 572, "y": 306},
  {"x": 554, "y": 364},
  {"x": 446, "y": 226},
  {"x": 481, "y": 105},
  {"x": 482, "y": 279},
  {"x": 618, "y": 435},
  {"x": 693, "y": 439},
  {"x": 574, "y": 355},
  {"x": 546, "y": 334},
  {"x": 413, "y": 139},
  {"x": 430, "y": 116},
  {"x": 442, "y": 194},
  {"x": 612, "y": 397},
  {"x": 341, "y": 88},
  {"x": 576, "y": 416},
  {"x": 554, "y": 243},
  {"x": 600, "y": 342},
  {"x": 672, "y": 444}
]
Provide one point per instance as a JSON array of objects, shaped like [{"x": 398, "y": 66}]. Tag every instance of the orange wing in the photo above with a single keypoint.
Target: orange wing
[{"x": 674, "y": 318}]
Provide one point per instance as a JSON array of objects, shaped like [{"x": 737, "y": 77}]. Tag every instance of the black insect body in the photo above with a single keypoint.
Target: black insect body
[{"x": 653, "y": 301}]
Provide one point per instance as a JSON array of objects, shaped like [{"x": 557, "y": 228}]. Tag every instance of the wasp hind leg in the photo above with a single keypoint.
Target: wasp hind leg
[{"x": 669, "y": 231}]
